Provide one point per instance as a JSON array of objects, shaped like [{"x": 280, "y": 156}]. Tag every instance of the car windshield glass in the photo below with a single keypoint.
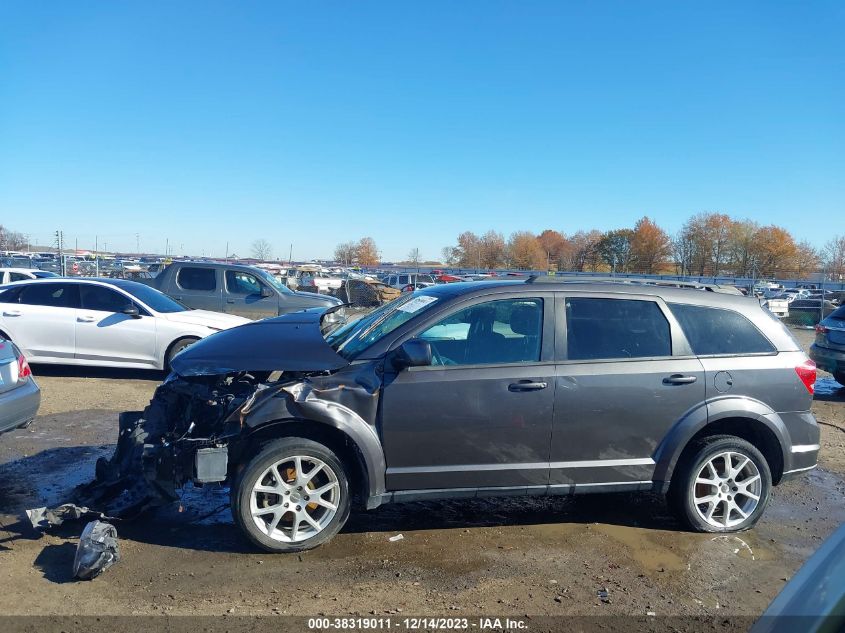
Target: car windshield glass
[
  {"x": 154, "y": 299},
  {"x": 270, "y": 279},
  {"x": 352, "y": 338}
]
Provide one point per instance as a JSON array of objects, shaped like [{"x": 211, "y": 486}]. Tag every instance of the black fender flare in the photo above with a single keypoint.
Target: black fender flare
[
  {"x": 282, "y": 408},
  {"x": 676, "y": 440}
]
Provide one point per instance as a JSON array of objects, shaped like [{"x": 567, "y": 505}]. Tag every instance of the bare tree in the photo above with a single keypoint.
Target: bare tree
[
  {"x": 414, "y": 257},
  {"x": 345, "y": 253},
  {"x": 261, "y": 249},
  {"x": 834, "y": 257}
]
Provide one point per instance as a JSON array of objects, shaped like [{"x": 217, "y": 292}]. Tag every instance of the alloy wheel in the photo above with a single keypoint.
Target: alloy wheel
[
  {"x": 727, "y": 489},
  {"x": 295, "y": 498}
]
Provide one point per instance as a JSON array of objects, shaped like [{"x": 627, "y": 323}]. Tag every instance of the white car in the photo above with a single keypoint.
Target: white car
[
  {"x": 8, "y": 275},
  {"x": 109, "y": 323}
]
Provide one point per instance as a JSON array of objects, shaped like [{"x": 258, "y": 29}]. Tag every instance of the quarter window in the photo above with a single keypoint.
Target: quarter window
[
  {"x": 615, "y": 329},
  {"x": 505, "y": 331},
  {"x": 197, "y": 278},
  {"x": 716, "y": 331}
]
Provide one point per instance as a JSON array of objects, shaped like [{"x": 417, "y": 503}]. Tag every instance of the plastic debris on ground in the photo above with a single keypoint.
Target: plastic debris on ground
[
  {"x": 97, "y": 550},
  {"x": 398, "y": 537},
  {"x": 46, "y": 517}
]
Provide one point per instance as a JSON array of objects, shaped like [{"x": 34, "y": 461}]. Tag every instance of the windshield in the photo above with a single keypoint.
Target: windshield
[
  {"x": 350, "y": 339},
  {"x": 273, "y": 281},
  {"x": 156, "y": 300}
]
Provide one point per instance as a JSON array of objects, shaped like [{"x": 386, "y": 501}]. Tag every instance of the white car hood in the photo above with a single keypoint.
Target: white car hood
[{"x": 206, "y": 318}]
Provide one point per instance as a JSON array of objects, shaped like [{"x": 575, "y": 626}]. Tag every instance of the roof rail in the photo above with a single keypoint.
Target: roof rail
[{"x": 641, "y": 281}]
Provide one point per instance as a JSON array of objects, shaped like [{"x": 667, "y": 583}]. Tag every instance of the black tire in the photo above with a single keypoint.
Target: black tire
[
  {"x": 683, "y": 490},
  {"x": 839, "y": 377},
  {"x": 177, "y": 346},
  {"x": 270, "y": 454}
]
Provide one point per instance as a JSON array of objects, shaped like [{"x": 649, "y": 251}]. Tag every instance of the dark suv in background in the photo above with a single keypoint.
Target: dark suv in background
[{"x": 534, "y": 387}]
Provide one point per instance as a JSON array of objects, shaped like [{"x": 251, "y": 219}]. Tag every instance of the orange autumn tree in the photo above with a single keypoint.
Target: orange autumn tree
[{"x": 651, "y": 247}]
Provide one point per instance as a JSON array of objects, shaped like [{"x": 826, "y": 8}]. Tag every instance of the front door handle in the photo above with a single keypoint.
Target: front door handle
[
  {"x": 87, "y": 318},
  {"x": 11, "y": 312},
  {"x": 230, "y": 301},
  {"x": 527, "y": 386},
  {"x": 679, "y": 379}
]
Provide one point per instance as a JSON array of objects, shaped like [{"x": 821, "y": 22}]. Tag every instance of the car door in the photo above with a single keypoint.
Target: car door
[
  {"x": 41, "y": 319},
  {"x": 105, "y": 335},
  {"x": 481, "y": 414},
  {"x": 624, "y": 378},
  {"x": 199, "y": 287},
  {"x": 242, "y": 296}
]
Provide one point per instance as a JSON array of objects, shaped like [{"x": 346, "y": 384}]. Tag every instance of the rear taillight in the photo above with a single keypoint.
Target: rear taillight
[
  {"x": 24, "y": 372},
  {"x": 820, "y": 329},
  {"x": 807, "y": 373}
]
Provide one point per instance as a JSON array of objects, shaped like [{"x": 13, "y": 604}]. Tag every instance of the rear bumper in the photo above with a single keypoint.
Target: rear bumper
[
  {"x": 19, "y": 405},
  {"x": 801, "y": 450},
  {"x": 830, "y": 360}
]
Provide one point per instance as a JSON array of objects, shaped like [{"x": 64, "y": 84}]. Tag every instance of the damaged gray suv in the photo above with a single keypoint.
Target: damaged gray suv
[{"x": 471, "y": 389}]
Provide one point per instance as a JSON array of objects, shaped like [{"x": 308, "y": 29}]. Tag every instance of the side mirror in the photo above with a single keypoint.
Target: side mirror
[
  {"x": 413, "y": 353},
  {"x": 132, "y": 311},
  {"x": 266, "y": 292}
]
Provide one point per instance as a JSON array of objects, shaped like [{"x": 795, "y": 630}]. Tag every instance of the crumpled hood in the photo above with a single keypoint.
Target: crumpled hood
[
  {"x": 292, "y": 342},
  {"x": 207, "y": 318}
]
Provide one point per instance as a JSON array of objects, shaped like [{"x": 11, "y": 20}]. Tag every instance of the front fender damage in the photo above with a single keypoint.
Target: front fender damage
[{"x": 197, "y": 429}]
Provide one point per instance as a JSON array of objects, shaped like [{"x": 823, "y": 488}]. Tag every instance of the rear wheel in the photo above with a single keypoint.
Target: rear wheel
[
  {"x": 839, "y": 377},
  {"x": 722, "y": 485},
  {"x": 292, "y": 496}
]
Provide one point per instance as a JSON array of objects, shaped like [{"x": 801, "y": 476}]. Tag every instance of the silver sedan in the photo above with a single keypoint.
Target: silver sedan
[{"x": 19, "y": 394}]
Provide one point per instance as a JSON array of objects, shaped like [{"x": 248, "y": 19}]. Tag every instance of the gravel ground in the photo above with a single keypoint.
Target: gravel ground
[{"x": 507, "y": 556}]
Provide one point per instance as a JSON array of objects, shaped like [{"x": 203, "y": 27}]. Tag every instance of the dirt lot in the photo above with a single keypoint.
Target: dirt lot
[{"x": 513, "y": 556}]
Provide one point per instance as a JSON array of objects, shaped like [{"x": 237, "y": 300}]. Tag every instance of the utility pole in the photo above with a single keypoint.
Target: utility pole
[
  {"x": 60, "y": 236},
  {"x": 227, "y": 252},
  {"x": 96, "y": 255},
  {"x": 138, "y": 243},
  {"x": 290, "y": 255}
]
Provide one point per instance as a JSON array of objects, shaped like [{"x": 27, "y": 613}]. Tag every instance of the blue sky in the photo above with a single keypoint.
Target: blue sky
[{"x": 314, "y": 123}]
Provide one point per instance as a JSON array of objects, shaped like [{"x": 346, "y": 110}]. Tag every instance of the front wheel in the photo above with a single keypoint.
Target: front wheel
[
  {"x": 176, "y": 347},
  {"x": 722, "y": 485},
  {"x": 292, "y": 496}
]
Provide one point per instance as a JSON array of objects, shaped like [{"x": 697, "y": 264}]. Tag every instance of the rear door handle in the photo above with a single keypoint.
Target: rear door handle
[
  {"x": 11, "y": 312},
  {"x": 527, "y": 386},
  {"x": 87, "y": 318},
  {"x": 679, "y": 379},
  {"x": 230, "y": 301}
]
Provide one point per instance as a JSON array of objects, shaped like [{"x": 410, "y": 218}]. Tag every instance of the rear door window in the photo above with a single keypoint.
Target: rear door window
[
  {"x": 51, "y": 295},
  {"x": 192, "y": 278},
  {"x": 602, "y": 329},
  {"x": 720, "y": 332}
]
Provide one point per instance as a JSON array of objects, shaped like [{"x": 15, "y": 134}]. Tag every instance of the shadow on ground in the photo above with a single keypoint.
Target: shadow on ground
[{"x": 115, "y": 373}]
